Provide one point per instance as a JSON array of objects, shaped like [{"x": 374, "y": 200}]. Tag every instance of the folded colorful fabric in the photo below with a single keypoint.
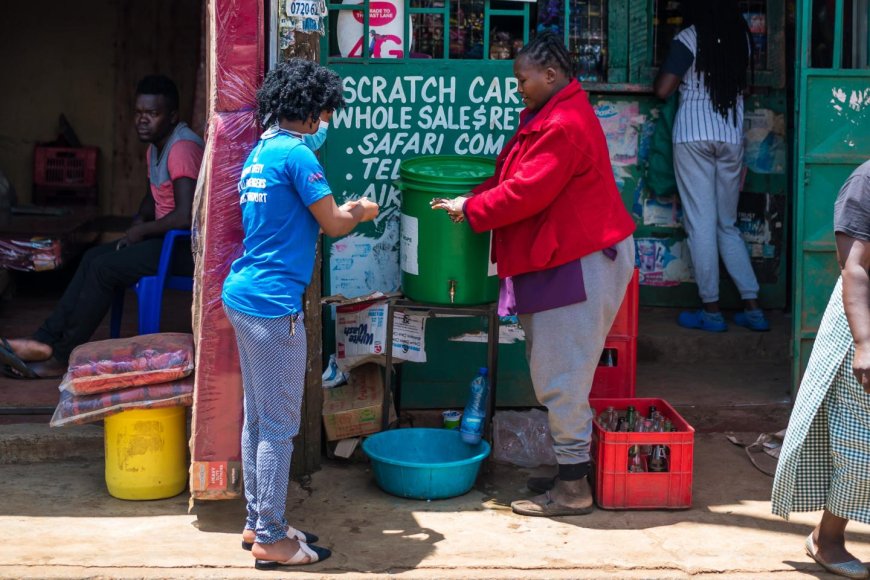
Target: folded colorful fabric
[
  {"x": 77, "y": 409},
  {"x": 150, "y": 359}
]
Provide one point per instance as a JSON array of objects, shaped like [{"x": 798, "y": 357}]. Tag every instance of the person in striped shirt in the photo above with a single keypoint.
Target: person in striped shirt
[{"x": 708, "y": 63}]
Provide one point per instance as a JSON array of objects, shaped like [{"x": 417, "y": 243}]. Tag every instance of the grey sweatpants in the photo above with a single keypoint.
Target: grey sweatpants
[
  {"x": 708, "y": 177},
  {"x": 563, "y": 346}
]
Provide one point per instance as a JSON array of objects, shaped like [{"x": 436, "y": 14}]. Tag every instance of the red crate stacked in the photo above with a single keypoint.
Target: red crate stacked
[
  {"x": 65, "y": 175},
  {"x": 616, "y": 374},
  {"x": 615, "y": 487}
]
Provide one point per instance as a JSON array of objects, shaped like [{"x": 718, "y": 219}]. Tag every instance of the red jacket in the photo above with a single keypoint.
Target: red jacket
[{"x": 553, "y": 198}]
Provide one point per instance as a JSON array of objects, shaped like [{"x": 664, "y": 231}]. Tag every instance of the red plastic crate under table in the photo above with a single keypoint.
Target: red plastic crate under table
[
  {"x": 625, "y": 323},
  {"x": 619, "y": 379},
  {"x": 64, "y": 167},
  {"x": 615, "y": 488}
]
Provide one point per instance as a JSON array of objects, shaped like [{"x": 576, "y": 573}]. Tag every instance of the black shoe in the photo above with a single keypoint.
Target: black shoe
[{"x": 313, "y": 553}]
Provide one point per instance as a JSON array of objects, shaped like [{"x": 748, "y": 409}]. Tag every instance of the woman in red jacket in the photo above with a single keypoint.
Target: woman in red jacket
[{"x": 565, "y": 254}]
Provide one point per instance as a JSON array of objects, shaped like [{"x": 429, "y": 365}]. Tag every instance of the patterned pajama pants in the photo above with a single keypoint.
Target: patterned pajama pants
[{"x": 273, "y": 357}]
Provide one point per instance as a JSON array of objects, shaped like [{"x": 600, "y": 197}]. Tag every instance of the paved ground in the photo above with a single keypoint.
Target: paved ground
[{"x": 61, "y": 523}]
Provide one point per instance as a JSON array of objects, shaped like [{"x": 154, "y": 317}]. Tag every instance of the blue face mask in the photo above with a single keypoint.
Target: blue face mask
[{"x": 315, "y": 140}]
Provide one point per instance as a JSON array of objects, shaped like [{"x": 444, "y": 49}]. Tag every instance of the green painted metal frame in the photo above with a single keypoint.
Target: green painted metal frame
[
  {"x": 826, "y": 151},
  {"x": 444, "y": 12}
]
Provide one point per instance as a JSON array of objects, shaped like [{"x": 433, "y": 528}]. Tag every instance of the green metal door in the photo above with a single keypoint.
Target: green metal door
[{"x": 833, "y": 137}]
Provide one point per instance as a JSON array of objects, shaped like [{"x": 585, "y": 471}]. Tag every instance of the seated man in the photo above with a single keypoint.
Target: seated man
[{"x": 173, "y": 158}]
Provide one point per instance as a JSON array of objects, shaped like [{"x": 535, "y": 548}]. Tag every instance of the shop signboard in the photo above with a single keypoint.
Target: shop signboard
[{"x": 417, "y": 109}]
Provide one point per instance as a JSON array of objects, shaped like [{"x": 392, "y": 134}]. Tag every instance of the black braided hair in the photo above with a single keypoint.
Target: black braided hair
[
  {"x": 548, "y": 50},
  {"x": 298, "y": 90},
  {"x": 159, "y": 85},
  {"x": 724, "y": 53}
]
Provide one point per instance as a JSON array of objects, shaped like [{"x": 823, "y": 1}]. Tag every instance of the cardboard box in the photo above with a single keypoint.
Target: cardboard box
[
  {"x": 361, "y": 334},
  {"x": 356, "y": 408},
  {"x": 215, "y": 479}
]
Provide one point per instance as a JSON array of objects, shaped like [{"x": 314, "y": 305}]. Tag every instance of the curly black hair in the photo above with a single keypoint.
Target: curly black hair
[
  {"x": 548, "y": 50},
  {"x": 298, "y": 90},
  {"x": 159, "y": 85}
]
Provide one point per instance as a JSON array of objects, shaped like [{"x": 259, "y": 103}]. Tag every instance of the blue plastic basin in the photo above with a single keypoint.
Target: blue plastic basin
[{"x": 424, "y": 463}]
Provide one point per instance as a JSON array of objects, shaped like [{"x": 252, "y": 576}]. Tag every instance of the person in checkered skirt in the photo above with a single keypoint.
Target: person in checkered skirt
[
  {"x": 825, "y": 459},
  {"x": 285, "y": 202}
]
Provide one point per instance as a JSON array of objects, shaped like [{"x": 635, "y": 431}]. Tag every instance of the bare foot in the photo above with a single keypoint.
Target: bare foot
[
  {"x": 49, "y": 369},
  {"x": 280, "y": 551},
  {"x": 575, "y": 494},
  {"x": 30, "y": 350},
  {"x": 831, "y": 551},
  {"x": 249, "y": 536}
]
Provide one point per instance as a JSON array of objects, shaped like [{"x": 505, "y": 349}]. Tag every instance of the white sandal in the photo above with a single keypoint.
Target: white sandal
[
  {"x": 293, "y": 534},
  {"x": 850, "y": 569},
  {"x": 307, "y": 554}
]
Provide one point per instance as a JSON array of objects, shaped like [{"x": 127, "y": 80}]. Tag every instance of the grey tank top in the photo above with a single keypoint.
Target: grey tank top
[{"x": 158, "y": 169}]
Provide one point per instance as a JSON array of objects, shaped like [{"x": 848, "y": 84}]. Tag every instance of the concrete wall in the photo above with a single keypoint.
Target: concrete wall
[{"x": 55, "y": 57}]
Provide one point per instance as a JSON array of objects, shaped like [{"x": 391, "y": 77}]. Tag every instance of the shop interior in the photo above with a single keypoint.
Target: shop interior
[{"x": 71, "y": 71}]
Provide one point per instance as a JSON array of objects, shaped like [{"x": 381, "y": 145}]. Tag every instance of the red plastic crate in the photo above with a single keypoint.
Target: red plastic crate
[
  {"x": 625, "y": 323},
  {"x": 619, "y": 380},
  {"x": 616, "y": 488},
  {"x": 65, "y": 167}
]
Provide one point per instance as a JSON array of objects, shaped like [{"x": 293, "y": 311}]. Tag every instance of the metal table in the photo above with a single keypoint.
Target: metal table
[{"x": 407, "y": 307}]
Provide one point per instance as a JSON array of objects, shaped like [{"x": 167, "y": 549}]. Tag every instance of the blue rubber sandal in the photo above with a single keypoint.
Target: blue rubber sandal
[
  {"x": 702, "y": 320},
  {"x": 753, "y": 320}
]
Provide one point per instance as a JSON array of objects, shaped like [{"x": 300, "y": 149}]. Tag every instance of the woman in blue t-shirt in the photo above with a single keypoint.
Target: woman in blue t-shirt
[{"x": 285, "y": 202}]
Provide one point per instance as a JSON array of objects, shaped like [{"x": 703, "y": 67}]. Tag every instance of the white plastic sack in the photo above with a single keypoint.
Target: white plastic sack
[{"x": 332, "y": 376}]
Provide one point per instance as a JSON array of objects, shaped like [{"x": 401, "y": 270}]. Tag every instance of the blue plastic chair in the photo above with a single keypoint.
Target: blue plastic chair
[{"x": 149, "y": 289}]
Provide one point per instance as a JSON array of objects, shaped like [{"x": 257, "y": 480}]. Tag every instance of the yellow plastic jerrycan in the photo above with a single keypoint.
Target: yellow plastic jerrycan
[{"x": 146, "y": 453}]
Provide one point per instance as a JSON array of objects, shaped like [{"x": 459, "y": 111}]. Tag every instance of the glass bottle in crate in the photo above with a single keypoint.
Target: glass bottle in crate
[
  {"x": 607, "y": 358},
  {"x": 658, "y": 459},
  {"x": 631, "y": 418},
  {"x": 636, "y": 460},
  {"x": 645, "y": 426},
  {"x": 608, "y": 418}
]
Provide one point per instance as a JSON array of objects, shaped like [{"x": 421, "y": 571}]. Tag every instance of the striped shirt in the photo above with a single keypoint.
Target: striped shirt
[{"x": 697, "y": 119}]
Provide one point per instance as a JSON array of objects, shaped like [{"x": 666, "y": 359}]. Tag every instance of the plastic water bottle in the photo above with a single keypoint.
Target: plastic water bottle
[{"x": 471, "y": 428}]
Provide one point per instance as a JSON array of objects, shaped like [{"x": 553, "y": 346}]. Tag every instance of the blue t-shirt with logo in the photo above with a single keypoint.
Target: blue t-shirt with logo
[{"x": 280, "y": 179}]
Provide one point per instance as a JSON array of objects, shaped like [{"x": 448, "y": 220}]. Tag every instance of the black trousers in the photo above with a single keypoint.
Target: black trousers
[{"x": 90, "y": 293}]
